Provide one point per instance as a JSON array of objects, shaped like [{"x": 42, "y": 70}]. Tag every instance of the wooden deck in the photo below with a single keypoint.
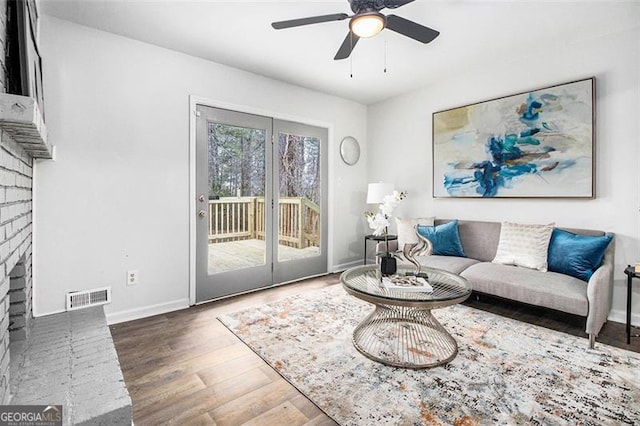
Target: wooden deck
[{"x": 232, "y": 255}]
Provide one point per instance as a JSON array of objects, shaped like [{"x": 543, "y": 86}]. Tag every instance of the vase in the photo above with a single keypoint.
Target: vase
[{"x": 388, "y": 265}]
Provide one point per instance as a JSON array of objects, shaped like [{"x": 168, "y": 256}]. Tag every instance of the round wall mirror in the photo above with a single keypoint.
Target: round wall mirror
[{"x": 350, "y": 150}]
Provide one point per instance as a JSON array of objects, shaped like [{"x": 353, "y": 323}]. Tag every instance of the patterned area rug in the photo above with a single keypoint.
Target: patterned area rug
[{"x": 506, "y": 372}]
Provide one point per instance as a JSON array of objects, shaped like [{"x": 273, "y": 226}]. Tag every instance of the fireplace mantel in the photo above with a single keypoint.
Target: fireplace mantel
[{"x": 21, "y": 118}]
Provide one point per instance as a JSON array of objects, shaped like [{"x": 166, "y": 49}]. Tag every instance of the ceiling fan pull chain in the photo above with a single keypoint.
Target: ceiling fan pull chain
[
  {"x": 385, "y": 54},
  {"x": 351, "y": 56},
  {"x": 351, "y": 67}
]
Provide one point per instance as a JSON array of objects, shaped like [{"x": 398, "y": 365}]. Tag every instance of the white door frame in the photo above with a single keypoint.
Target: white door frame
[{"x": 199, "y": 100}]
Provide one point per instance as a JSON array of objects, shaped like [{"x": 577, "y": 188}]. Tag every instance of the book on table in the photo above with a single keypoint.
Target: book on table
[{"x": 407, "y": 283}]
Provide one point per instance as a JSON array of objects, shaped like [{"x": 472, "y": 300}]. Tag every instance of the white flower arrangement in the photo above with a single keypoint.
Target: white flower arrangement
[{"x": 379, "y": 221}]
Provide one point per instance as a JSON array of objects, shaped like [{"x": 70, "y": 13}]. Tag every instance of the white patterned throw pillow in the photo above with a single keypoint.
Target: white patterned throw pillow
[
  {"x": 524, "y": 245},
  {"x": 406, "y": 229}
]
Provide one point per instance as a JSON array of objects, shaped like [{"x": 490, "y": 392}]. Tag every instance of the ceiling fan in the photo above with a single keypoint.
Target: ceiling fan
[{"x": 366, "y": 22}]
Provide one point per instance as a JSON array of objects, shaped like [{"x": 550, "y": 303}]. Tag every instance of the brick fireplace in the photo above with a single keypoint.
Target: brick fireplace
[
  {"x": 20, "y": 298},
  {"x": 16, "y": 204},
  {"x": 16, "y": 167}
]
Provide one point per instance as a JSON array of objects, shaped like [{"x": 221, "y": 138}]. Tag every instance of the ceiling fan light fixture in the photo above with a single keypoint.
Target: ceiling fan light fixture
[{"x": 367, "y": 24}]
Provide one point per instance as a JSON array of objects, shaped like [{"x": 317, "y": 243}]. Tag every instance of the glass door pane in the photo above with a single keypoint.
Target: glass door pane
[
  {"x": 300, "y": 164},
  {"x": 298, "y": 196},
  {"x": 234, "y": 236},
  {"x": 236, "y": 197}
]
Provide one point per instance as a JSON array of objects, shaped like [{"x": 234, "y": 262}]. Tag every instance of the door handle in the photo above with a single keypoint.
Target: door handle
[
  {"x": 201, "y": 198},
  {"x": 202, "y": 213}
]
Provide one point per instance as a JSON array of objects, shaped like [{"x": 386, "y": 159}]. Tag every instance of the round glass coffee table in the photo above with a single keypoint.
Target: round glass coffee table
[{"x": 401, "y": 331}]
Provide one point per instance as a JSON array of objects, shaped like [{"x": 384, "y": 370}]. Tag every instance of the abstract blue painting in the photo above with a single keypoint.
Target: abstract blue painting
[{"x": 533, "y": 144}]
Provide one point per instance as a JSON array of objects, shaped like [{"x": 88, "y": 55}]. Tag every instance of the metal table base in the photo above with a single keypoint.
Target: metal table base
[
  {"x": 401, "y": 331},
  {"x": 406, "y": 337}
]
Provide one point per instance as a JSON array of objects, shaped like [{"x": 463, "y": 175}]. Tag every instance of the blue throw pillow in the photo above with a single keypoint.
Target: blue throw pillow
[
  {"x": 576, "y": 255},
  {"x": 445, "y": 238}
]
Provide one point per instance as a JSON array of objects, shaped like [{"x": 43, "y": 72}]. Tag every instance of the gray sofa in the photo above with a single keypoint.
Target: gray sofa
[{"x": 547, "y": 289}]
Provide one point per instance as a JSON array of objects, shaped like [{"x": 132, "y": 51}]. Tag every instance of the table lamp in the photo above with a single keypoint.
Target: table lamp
[{"x": 377, "y": 191}]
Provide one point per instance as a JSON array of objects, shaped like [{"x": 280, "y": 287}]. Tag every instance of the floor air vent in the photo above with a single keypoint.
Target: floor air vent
[{"x": 87, "y": 298}]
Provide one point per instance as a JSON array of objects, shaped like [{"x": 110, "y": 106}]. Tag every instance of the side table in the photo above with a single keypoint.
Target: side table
[
  {"x": 631, "y": 273},
  {"x": 377, "y": 239}
]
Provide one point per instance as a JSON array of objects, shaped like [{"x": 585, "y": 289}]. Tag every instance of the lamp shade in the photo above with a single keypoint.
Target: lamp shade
[
  {"x": 377, "y": 191},
  {"x": 367, "y": 24}
]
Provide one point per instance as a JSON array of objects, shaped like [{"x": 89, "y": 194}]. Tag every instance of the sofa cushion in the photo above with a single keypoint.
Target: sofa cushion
[
  {"x": 451, "y": 264},
  {"x": 445, "y": 238},
  {"x": 524, "y": 245},
  {"x": 576, "y": 255},
  {"x": 548, "y": 289},
  {"x": 406, "y": 229},
  {"x": 479, "y": 239}
]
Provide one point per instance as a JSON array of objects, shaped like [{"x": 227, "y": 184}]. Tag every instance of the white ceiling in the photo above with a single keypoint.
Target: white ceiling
[{"x": 238, "y": 33}]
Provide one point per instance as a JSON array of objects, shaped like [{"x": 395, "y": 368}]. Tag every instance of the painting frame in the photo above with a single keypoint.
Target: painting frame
[{"x": 537, "y": 143}]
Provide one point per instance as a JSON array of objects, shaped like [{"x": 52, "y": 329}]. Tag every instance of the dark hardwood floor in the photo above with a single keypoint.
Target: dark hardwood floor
[{"x": 185, "y": 367}]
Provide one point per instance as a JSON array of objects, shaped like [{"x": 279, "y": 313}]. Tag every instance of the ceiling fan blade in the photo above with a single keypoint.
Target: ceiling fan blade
[
  {"x": 308, "y": 21},
  {"x": 393, "y": 4},
  {"x": 411, "y": 29},
  {"x": 347, "y": 46}
]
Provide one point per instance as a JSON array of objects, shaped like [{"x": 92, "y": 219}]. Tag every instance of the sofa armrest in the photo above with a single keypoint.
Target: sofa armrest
[{"x": 600, "y": 293}]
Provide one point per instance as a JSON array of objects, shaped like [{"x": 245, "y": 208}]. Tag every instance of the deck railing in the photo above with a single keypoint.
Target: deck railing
[{"x": 242, "y": 218}]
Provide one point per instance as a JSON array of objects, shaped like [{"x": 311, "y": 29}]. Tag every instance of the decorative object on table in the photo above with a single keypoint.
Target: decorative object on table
[
  {"x": 506, "y": 372},
  {"x": 388, "y": 198},
  {"x": 422, "y": 248},
  {"x": 388, "y": 264},
  {"x": 407, "y": 283},
  {"x": 533, "y": 144},
  {"x": 350, "y": 150}
]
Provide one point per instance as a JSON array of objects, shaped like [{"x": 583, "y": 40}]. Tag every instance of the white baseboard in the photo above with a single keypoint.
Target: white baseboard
[
  {"x": 146, "y": 311},
  {"x": 345, "y": 266},
  {"x": 621, "y": 317}
]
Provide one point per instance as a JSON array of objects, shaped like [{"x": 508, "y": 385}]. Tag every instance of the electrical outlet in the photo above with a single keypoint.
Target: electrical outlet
[{"x": 133, "y": 277}]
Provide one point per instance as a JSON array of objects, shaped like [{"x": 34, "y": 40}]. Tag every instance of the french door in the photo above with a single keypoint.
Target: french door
[{"x": 260, "y": 202}]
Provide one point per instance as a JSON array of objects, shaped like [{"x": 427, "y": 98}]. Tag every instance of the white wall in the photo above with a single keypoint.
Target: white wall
[
  {"x": 117, "y": 198},
  {"x": 400, "y": 142}
]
